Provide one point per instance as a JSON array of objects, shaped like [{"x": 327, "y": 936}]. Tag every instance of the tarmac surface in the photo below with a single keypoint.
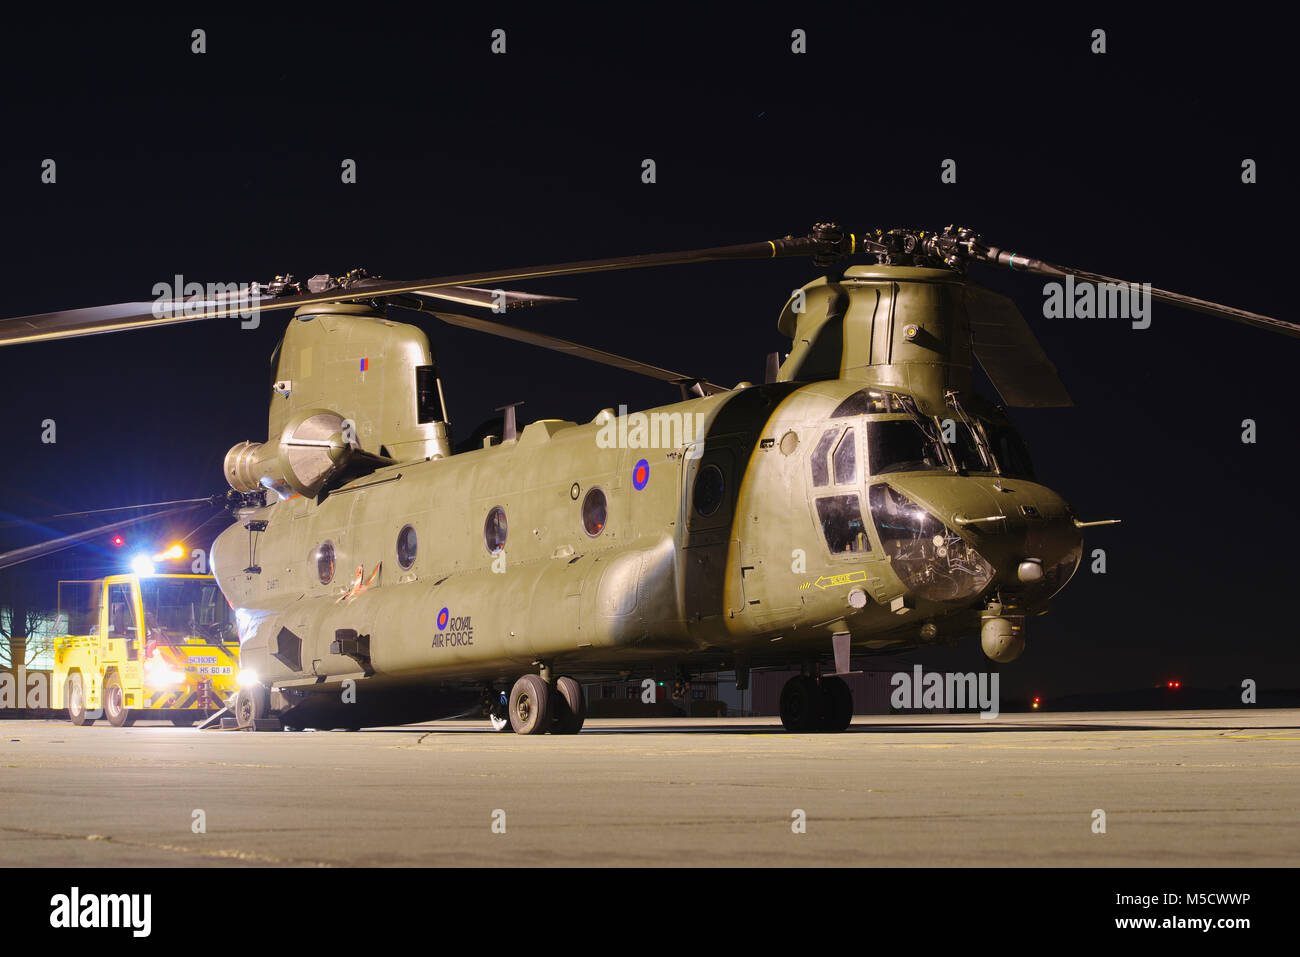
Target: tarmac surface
[{"x": 1177, "y": 788}]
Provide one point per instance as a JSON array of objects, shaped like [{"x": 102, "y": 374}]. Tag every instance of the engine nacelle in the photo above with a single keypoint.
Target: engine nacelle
[{"x": 313, "y": 446}]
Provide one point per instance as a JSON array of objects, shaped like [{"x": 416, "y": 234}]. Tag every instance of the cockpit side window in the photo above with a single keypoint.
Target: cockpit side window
[
  {"x": 845, "y": 460},
  {"x": 821, "y": 473},
  {"x": 841, "y": 521}
]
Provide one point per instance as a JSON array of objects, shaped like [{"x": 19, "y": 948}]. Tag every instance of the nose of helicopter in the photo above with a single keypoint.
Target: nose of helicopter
[{"x": 1024, "y": 532}]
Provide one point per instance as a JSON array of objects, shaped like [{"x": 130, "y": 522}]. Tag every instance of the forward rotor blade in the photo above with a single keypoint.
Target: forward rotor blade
[
  {"x": 1038, "y": 267},
  {"x": 137, "y": 315},
  {"x": 19, "y": 555},
  {"x": 491, "y": 327}
]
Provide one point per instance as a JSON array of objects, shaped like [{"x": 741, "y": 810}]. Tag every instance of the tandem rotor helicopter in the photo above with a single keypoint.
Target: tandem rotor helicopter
[{"x": 862, "y": 497}]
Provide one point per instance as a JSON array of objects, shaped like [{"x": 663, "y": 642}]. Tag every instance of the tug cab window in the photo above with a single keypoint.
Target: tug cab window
[
  {"x": 121, "y": 614},
  {"x": 121, "y": 618},
  {"x": 177, "y": 609}
]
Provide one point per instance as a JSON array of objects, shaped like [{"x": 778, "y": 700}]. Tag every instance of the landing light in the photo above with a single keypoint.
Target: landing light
[
  {"x": 246, "y": 677},
  {"x": 142, "y": 566},
  {"x": 173, "y": 553}
]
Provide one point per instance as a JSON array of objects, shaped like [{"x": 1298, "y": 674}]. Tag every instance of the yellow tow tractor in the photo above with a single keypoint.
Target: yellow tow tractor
[{"x": 155, "y": 646}]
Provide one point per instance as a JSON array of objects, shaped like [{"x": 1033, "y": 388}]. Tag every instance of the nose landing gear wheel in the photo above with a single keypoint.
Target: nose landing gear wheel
[
  {"x": 530, "y": 706},
  {"x": 801, "y": 704},
  {"x": 251, "y": 703},
  {"x": 570, "y": 706},
  {"x": 837, "y": 704}
]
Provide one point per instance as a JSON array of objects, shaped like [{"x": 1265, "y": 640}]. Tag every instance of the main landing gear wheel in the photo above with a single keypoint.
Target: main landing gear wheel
[
  {"x": 530, "y": 705},
  {"x": 76, "y": 698},
  {"x": 119, "y": 715},
  {"x": 570, "y": 706},
  {"x": 837, "y": 704},
  {"x": 801, "y": 704}
]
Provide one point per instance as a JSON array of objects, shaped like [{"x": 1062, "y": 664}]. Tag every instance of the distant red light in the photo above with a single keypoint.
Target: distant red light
[{"x": 119, "y": 541}]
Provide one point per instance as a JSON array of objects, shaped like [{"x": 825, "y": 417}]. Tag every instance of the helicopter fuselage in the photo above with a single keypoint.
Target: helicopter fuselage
[{"x": 787, "y": 521}]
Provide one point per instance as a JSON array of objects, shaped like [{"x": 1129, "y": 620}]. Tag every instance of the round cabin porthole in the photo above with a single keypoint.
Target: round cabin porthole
[
  {"x": 407, "y": 544},
  {"x": 595, "y": 509},
  {"x": 324, "y": 559},
  {"x": 494, "y": 529}
]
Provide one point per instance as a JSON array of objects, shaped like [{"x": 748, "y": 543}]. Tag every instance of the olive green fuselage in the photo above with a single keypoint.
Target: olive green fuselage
[
  {"x": 748, "y": 526},
  {"x": 659, "y": 580}
]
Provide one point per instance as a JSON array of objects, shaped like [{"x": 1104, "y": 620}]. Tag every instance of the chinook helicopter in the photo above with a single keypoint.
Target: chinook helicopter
[{"x": 863, "y": 498}]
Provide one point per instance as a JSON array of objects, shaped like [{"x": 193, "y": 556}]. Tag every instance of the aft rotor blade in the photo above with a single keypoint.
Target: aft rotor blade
[
  {"x": 489, "y": 298},
  {"x": 556, "y": 344},
  {"x": 19, "y": 555},
  {"x": 137, "y": 315},
  {"x": 100, "y": 511}
]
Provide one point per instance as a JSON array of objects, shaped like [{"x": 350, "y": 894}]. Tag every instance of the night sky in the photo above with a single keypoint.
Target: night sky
[{"x": 226, "y": 167}]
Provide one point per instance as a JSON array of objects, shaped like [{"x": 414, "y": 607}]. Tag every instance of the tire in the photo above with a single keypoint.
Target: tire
[
  {"x": 75, "y": 696},
  {"x": 530, "y": 706},
  {"x": 251, "y": 703},
  {"x": 115, "y": 709},
  {"x": 570, "y": 706},
  {"x": 837, "y": 704},
  {"x": 801, "y": 704}
]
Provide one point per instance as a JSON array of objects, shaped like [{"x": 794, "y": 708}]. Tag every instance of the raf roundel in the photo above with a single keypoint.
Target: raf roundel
[
  {"x": 641, "y": 475},
  {"x": 443, "y": 617}
]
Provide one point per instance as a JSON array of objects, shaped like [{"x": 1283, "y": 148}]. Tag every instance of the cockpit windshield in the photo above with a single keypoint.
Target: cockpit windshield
[
  {"x": 179, "y": 608},
  {"x": 1009, "y": 449},
  {"x": 900, "y": 445},
  {"x": 966, "y": 450}
]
